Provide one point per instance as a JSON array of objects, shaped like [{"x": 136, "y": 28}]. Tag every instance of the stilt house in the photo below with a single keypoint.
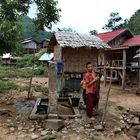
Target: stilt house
[{"x": 121, "y": 56}]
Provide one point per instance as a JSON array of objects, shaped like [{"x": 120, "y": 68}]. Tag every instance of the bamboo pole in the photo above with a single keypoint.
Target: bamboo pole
[
  {"x": 107, "y": 97},
  {"x": 31, "y": 78}
]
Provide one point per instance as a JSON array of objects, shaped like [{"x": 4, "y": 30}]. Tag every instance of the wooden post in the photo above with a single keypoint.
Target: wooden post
[
  {"x": 31, "y": 78},
  {"x": 107, "y": 97},
  {"x": 124, "y": 69},
  {"x": 52, "y": 107},
  {"x": 104, "y": 75},
  {"x": 139, "y": 72}
]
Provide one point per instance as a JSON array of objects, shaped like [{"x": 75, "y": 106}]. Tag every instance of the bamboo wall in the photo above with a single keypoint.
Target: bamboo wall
[
  {"x": 57, "y": 53},
  {"x": 75, "y": 59}
]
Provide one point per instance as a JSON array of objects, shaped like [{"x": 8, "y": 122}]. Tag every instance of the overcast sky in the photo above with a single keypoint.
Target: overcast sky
[{"x": 85, "y": 15}]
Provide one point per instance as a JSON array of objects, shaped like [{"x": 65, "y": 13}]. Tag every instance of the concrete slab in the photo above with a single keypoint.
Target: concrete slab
[{"x": 54, "y": 124}]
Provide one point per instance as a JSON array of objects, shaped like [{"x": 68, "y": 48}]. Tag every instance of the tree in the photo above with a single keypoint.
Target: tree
[
  {"x": 68, "y": 29},
  {"x": 134, "y": 22},
  {"x": 93, "y": 32},
  {"x": 10, "y": 12},
  {"x": 29, "y": 30},
  {"x": 115, "y": 22}
]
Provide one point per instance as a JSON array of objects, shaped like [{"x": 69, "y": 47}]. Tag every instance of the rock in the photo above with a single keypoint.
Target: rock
[
  {"x": 117, "y": 130},
  {"x": 137, "y": 128},
  {"x": 40, "y": 129},
  {"x": 87, "y": 125},
  {"x": 43, "y": 133},
  {"x": 20, "y": 128},
  {"x": 8, "y": 120},
  {"x": 121, "y": 121},
  {"x": 122, "y": 125},
  {"x": 12, "y": 129},
  {"x": 22, "y": 136},
  {"x": 99, "y": 127},
  {"x": 134, "y": 120},
  {"x": 133, "y": 132},
  {"x": 32, "y": 130},
  {"x": 64, "y": 132},
  {"x": 138, "y": 136},
  {"x": 54, "y": 124},
  {"x": 34, "y": 137}
]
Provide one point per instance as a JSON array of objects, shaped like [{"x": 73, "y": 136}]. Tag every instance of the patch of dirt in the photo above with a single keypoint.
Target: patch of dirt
[{"x": 19, "y": 127}]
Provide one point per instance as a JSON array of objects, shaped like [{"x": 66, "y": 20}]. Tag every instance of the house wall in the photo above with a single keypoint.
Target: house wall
[
  {"x": 57, "y": 53},
  {"x": 30, "y": 45},
  {"x": 75, "y": 59},
  {"x": 118, "y": 41},
  {"x": 45, "y": 43}
]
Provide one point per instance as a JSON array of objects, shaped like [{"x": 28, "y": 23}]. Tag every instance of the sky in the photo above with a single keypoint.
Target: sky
[{"x": 86, "y": 15}]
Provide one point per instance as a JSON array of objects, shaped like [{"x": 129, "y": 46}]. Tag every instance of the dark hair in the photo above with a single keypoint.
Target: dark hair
[{"x": 88, "y": 64}]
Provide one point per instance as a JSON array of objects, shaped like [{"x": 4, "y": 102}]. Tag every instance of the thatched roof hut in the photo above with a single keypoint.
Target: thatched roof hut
[
  {"x": 75, "y": 40},
  {"x": 76, "y": 49}
]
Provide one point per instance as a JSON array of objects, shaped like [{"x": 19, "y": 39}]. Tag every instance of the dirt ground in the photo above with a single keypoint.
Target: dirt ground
[{"x": 15, "y": 124}]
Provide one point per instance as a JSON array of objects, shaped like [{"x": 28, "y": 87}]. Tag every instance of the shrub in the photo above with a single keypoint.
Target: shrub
[{"x": 40, "y": 71}]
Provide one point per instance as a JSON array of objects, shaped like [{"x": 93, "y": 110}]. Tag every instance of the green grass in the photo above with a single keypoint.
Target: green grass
[
  {"x": 9, "y": 72},
  {"x": 5, "y": 85},
  {"x": 50, "y": 137}
]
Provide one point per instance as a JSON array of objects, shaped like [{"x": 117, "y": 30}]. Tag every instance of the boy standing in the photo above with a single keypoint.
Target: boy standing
[{"x": 91, "y": 96}]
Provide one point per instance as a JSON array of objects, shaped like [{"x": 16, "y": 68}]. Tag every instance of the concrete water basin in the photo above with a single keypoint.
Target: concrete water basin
[{"x": 65, "y": 108}]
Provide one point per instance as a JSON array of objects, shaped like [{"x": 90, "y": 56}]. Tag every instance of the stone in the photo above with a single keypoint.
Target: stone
[
  {"x": 8, "y": 120},
  {"x": 138, "y": 136},
  {"x": 133, "y": 132},
  {"x": 12, "y": 129},
  {"x": 54, "y": 124},
  {"x": 22, "y": 136},
  {"x": 134, "y": 120},
  {"x": 20, "y": 128},
  {"x": 137, "y": 128},
  {"x": 64, "y": 132},
  {"x": 117, "y": 130},
  {"x": 99, "y": 127},
  {"x": 122, "y": 125},
  {"x": 43, "y": 133},
  {"x": 121, "y": 121},
  {"x": 32, "y": 130},
  {"x": 34, "y": 137}
]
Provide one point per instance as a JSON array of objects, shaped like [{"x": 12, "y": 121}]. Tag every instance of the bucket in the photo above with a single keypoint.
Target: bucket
[
  {"x": 59, "y": 67},
  {"x": 75, "y": 101}
]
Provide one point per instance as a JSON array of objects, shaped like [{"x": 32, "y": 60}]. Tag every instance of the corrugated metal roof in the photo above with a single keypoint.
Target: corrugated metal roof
[
  {"x": 108, "y": 36},
  {"x": 134, "y": 41},
  {"x": 46, "y": 57},
  {"x": 74, "y": 40}
]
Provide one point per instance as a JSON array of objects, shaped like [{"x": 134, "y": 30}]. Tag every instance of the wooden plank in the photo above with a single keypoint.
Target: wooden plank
[
  {"x": 124, "y": 69},
  {"x": 120, "y": 74},
  {"x": 104, "y": 76},
  {"x": 139, "y": 70}
]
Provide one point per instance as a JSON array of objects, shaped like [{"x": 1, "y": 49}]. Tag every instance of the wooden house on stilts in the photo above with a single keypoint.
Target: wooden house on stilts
[{"x": 121, "y": 57}]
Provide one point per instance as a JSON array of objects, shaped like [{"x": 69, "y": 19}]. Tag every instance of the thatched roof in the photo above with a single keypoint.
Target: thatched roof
[{"x": 75, "y": 40}]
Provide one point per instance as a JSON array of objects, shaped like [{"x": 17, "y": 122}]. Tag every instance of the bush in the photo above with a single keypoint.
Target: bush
[
  {"x": 28, "y": 60},
  {"x": 5, "y": 85},
  {"x": 40, "y": 71}
]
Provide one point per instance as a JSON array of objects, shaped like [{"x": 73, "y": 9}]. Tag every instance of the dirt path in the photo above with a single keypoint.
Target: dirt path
[{"x": 126, "y": 98}]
